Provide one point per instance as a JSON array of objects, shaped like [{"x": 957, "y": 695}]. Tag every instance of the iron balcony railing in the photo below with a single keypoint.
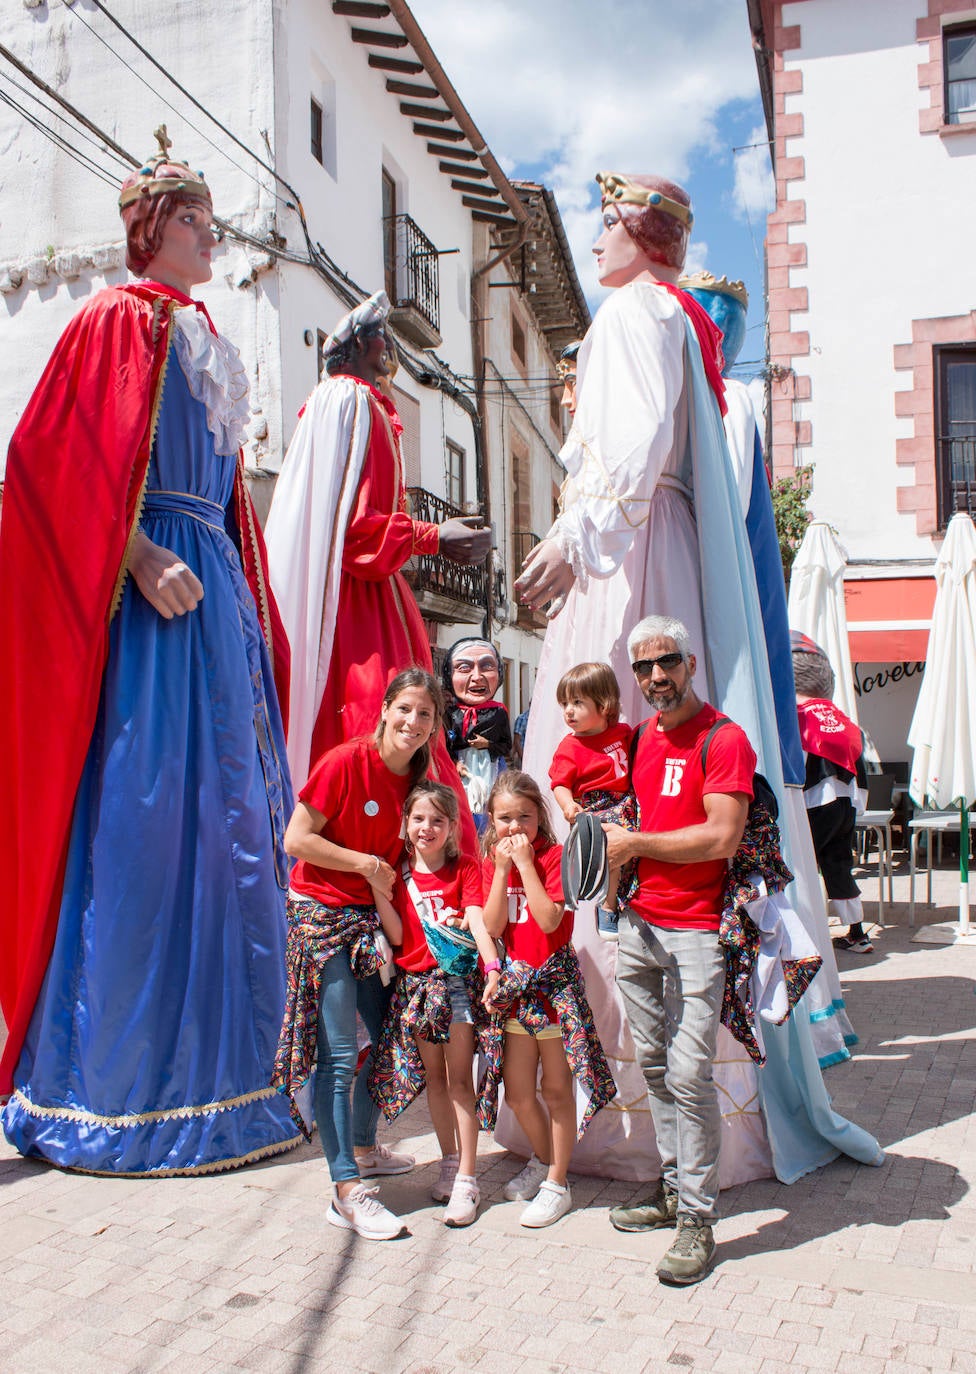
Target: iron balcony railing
[
  {"x": 466, "y": 583},
  {"x": 523, "y": 542},
  {"x": 412, "y": 268},
  {"x": 958, "y": 476}
]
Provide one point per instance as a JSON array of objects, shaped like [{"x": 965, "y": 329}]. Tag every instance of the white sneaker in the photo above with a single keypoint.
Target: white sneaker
[
  {"x": 463, "y": 1206},
  {"x": 441, "y": 1191},
  {"x": 549, "y": 1204},
  {"x": 359, "y": 1211},
  {"x": 524, "y": 1186},
  {"x": 380, "y": 1161}
]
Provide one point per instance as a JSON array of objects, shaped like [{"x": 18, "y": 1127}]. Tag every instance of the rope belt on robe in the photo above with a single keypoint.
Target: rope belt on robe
[
  {"x": 521, "y": 992},
  {"x": 316, "y": 934},
  {"x": 421, "y": 1006}
]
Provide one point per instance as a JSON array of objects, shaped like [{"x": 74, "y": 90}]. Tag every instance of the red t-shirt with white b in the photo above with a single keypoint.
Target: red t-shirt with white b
[
  {"x": 589, "y": 763},
  {"x": 362, "y": 801},
  {"x": 449, "y": 892},
  {"x": 524, "y": 939},
  {"x": 670, "y": 785}
]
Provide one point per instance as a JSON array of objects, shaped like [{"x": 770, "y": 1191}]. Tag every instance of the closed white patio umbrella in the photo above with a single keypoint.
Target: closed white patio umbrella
[
  {"x": 816, "y": 605},
  {"x": 943, "y": 729}
]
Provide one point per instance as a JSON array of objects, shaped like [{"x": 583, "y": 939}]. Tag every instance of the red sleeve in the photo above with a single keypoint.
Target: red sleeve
[
  {"x": 730, "y": 763},
  {"x": 379, "y": 539},
  {"x": 470, "y": 884},
  {"x": 549, "y": 864},
  {"x": 563, "y": 770},
  {"x": 328, "y": 783}
]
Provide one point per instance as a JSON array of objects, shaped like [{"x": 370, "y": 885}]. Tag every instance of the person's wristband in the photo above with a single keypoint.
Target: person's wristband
[
  {"x": 376, "y": 865},
  {"x": 493, "y": 967}
]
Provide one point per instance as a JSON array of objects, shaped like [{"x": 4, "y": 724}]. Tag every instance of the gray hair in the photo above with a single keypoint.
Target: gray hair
[
  {"x": 813, "y": 674},
  {"x": 659, "y": 627}
]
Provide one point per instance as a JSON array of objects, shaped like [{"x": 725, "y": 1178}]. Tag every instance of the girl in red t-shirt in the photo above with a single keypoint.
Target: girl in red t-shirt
[
  {"x": 447, "y": 887},
  {"x": 525, "y": 907}
]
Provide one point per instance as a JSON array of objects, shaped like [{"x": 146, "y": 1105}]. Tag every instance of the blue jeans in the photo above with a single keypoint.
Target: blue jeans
[
  {"x": 672, "y": 982},
  {"x": 342, "y": 1122}
]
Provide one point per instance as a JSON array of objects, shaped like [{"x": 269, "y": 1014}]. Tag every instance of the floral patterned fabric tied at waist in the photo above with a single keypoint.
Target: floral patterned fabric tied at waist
[
  {"x": 421, "y": 1006},
  {"x": 758, "y": 858},
  {"x": 615, "y": 809},
  {"x": 316, "y": 934},
  {"x": 521, "y": 992}
]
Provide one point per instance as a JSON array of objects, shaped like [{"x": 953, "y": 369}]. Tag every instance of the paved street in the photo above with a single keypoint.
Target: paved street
[{"x": 852, "y": 1269}]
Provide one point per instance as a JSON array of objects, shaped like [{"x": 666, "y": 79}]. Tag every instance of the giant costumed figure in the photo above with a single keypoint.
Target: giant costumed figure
[
  {"x": 727, "y": 303},
  {"x": 338, "y": 536},
  {"x": 650, "y": 523},
  {"x": 144, "y": 790}
]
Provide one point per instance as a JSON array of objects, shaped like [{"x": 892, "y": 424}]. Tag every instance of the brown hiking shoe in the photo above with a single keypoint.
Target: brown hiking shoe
[
  {"x": 660, "y": 1209},
  {"x": 692, "y": 1254}
]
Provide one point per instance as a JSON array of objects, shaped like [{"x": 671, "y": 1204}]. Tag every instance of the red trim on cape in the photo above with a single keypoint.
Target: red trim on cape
[
  {"x": 76, "y": 470},
  {"x": 709, "y": 338}
]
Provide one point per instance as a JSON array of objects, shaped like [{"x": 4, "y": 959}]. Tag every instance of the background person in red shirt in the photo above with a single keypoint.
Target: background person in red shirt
[{"x": 671, "y": 968}]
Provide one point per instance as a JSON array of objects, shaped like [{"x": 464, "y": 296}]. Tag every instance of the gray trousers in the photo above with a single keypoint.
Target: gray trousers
[{"x": 671, "y": 982}]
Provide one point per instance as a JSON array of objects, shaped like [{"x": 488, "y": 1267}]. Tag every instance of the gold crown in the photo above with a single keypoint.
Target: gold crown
[
  {"x": 704, "y": 281},
  {"x": 617, "y": 189},
  {"x": 147, "y": 183}
]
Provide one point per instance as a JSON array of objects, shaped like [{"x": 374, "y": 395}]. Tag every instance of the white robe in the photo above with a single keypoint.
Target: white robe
[{"x": 629, "y": 531}]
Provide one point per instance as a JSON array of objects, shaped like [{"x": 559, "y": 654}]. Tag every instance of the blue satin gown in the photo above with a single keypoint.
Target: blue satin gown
[{"x": 152, "y": 1042}]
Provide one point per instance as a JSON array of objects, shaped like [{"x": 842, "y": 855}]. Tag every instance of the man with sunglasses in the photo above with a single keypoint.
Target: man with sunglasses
[{"x": 670, "y": 965}]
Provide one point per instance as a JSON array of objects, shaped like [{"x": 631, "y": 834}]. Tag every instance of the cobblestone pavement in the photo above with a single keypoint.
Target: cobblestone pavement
[{"x": 852, "y": 1269}]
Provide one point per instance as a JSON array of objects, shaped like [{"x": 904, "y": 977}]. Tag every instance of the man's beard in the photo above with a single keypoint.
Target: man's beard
[{"x": 669, "y": 701}]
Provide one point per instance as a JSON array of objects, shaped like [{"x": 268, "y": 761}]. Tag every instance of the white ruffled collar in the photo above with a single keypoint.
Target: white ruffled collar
[{"x": 215, "y": 376}]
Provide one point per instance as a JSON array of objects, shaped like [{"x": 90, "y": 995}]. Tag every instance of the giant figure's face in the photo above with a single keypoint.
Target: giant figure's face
[
  {"x": 474, "y": 674},
  {"x": 730, "y": 316},
  {"x": 186, "y": 243},
  {"x": 618, "y": 258}
]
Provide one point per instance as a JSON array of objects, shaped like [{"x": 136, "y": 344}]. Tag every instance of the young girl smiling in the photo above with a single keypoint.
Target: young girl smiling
[
  {"x": 435, "y": 922},
  {"x": 542, "y": 993}
]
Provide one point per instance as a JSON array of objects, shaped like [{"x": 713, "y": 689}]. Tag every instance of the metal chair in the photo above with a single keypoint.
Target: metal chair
[{"x": 876, "y": 820}]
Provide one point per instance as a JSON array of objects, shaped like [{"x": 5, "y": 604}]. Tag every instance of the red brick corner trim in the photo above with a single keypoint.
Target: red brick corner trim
[
  {"x": 783, "y": 253},
  {"x": 918, "y": 403}
]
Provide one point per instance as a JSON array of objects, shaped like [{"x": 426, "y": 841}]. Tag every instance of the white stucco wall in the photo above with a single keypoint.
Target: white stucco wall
[
  {"x": 53, "y": 209},
  {"x": 889, "y": 234},
  {"x": 315, "y": 55}
]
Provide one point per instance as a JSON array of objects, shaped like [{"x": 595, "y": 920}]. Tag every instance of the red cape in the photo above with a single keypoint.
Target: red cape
[
  {"x": 76, "y": 471},
  {"x": 826, "y": 732}
]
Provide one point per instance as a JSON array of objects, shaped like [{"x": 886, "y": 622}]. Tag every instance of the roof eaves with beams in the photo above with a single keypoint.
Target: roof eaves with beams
[
  {"x": 396, "y": 47},
  {"x": 557, "y": 302}
]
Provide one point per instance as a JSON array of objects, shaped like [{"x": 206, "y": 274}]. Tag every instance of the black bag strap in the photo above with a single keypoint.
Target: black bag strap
[{"x": 635, "y": 739}]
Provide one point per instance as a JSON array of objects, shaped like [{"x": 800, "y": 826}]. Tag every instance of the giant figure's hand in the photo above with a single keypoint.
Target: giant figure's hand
[
  {"x": 546, "y": 576},
  {"x": 164, "y": 580},
  {"x": 465, "y": 539}
]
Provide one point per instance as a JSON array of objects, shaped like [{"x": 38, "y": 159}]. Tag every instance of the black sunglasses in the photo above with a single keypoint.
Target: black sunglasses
[{"x": 666, "y": 662}]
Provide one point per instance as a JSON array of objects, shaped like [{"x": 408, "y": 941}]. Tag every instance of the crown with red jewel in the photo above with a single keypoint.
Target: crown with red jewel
[{"x": 162, "y": 173}]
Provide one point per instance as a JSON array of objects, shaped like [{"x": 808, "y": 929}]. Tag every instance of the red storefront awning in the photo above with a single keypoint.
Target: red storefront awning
[{"x": 888, "y": 618}]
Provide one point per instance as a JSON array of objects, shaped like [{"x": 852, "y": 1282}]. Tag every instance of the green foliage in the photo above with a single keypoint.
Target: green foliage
[{"x": 790, "y": 497}]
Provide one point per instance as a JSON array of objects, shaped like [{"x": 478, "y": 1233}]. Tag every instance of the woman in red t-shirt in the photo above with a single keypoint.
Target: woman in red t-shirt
[
  {"x": 446, "y": 886},
  {"x": 346, "y": 835},
  {"x": 525, "y": 907}
]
